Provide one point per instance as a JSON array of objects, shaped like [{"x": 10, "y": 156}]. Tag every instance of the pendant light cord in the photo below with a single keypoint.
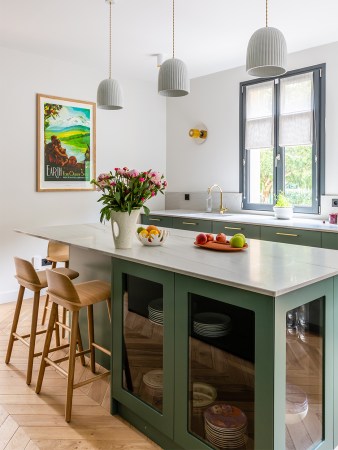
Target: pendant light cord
[
  {"x": 109, "y": 40},
  {"x": 266, "y": 13},
  {"x": 173, "y": 28}
]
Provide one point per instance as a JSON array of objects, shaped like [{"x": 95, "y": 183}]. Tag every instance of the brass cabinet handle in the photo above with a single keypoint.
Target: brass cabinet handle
[
  {"x": 189, "y": 223},
  {"x": 288, "y": 234},
  {"x": 154, "y": 220},
  {"x": 233, "y": 228}
]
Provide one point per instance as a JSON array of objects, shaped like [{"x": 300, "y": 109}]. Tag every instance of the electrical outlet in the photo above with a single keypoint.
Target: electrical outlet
[
  {"x": 335, "y": 202},
  {"x": 45, "y": 262},
  {"x": 186, "y": 196}
]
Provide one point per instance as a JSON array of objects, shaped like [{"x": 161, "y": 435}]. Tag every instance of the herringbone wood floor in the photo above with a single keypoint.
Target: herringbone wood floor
[{"x": 30, "y": 421}]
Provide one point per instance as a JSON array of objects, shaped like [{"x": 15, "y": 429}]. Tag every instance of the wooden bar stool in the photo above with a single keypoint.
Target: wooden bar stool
[
  {"x": 29, "y": 278},
  {"x": 57, "y": 253},
  {"x": 63, "y": 292}
]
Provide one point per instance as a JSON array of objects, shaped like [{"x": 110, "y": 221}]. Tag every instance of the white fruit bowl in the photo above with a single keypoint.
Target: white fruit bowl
[{"x": 154, "y": 240}]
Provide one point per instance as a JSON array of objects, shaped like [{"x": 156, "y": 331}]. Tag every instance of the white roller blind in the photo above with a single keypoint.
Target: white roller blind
[
  {"x": 296, "y": 110},
  {"x": 259, "y": 126}
]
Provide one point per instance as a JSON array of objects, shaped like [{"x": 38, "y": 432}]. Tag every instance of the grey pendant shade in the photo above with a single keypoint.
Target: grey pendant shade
[
  {"x": 266, "y": 53},
  {"x": 109, "y": 93},
  {"x": 173, "y": 80}
]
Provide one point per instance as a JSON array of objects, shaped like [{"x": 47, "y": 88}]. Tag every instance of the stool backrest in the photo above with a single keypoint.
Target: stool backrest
[
  {"x": 26, "y": 274},
  {"x": 61, "y": 290},
  {"x": 58, "y": 251}
]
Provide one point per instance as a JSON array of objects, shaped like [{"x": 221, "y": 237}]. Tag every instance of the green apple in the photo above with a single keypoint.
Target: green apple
[
  {"x": 237, "y": 242},
  {"x": 242, "y": 236}
]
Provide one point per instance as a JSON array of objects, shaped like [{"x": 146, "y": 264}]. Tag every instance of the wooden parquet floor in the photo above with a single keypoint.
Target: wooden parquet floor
[{"x": 30, "y": 421}]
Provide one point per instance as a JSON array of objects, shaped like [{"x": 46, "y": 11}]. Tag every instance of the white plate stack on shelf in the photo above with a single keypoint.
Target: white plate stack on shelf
[
  {"x": 155, "y": 311},
  {"x": 203, "y": 394},
  {"x": 154, "y": 381},
  {"x": 225, "y": 426},
  {"x": 296, "y": 406},
  {"x": 211, "y": 324}
]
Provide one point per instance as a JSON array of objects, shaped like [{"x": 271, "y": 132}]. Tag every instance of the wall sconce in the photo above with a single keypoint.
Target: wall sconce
[{"x": 199, "y": 134}]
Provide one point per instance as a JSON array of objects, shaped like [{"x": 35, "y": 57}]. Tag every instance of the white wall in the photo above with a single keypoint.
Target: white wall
[
  {"x": 214, "y": 100},
  {"x": 134, "y": 136}
]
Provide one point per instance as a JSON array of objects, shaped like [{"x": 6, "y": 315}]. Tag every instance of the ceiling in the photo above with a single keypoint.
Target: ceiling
[{"x": 209, "y": 35}]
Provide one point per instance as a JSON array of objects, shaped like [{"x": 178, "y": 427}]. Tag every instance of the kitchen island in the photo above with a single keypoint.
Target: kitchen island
[{"x": 194, "y": 330}]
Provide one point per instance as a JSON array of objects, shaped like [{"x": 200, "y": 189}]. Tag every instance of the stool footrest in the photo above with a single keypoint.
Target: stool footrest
[
  {"x": 102, "y": 349},
  {"x": 21, "y": 339},
  {"x": 55, "y": 349},
  {"x": 37, "y": 333},
  {"x": 58, "y": 368},
  {"x": 67, "y": 357},
  {"x": 62, "y": 325},
  {"x": 90, "y": 380}
]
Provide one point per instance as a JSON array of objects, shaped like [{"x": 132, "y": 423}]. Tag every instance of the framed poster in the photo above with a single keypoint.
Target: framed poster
[{"x": 65, "y": 144}]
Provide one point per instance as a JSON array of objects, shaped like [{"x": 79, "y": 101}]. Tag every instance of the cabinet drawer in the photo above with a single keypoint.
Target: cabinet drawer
[
  {"x": 330, "y": 240},
  {"x": 161, "y": 221},
  {"x": 192, "y": 224},
  {"x": 249, "y": 231},
  {"x": 292, "y": 236}
]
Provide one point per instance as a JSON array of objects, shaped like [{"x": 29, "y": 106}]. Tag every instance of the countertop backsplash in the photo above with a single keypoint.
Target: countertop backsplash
[{"x": 233, "y": 201}]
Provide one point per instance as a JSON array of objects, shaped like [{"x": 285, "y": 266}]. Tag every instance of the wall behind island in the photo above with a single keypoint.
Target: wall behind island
[{"x": 134, "y": 136}]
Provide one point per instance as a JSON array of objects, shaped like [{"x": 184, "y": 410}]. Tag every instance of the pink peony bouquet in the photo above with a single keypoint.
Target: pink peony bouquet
[{"x": 125, "y": 190}]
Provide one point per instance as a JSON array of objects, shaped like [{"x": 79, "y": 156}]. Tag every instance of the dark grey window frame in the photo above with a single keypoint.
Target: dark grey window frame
[{"x": 318, "y": 153}]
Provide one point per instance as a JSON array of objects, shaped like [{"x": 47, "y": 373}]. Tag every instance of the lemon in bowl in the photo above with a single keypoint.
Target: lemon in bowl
[{"x": 153, "y": 237}]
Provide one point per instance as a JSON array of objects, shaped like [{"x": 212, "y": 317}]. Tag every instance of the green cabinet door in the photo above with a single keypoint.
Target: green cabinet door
[
  {"x": 292, "y": 236},
  {"x": 192, "y": 224},
  {"x": 249, "y": 231},
  {"x": 159, "y": 221},
  {"x": 330, "y": 240}
]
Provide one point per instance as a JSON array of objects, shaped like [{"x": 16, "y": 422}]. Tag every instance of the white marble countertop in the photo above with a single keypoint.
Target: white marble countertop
[
  {"x": 254, "y": 219},
  {"x": 265, "y": 267}
]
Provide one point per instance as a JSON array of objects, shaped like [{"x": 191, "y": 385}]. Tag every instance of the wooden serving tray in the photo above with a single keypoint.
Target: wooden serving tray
[{"x": 226, "y": 247}]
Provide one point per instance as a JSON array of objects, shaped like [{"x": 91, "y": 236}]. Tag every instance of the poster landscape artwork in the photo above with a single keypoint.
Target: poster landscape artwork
[{"x": 66, "y": 140}]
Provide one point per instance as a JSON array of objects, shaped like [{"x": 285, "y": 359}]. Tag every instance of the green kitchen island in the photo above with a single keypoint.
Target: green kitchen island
[{"x": 217, "y": 349}]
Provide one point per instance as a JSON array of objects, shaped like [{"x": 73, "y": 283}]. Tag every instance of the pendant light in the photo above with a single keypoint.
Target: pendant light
[
  {"x": 266, "y": 54},
  {"x": 173, "y": 80},
  {"x": 109, "y": 93}
]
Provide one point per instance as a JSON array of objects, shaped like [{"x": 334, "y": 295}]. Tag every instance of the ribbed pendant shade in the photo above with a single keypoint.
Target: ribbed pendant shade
[
  {"x": 266, "y": 54},
  {"x": 109, "y": 95},
  {"x": 173, "y": 80}
]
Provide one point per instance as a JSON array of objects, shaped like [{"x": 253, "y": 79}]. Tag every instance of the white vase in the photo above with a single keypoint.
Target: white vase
[
  {"x": 123, "y": 227},
  {"x": 283, "y": 212}
]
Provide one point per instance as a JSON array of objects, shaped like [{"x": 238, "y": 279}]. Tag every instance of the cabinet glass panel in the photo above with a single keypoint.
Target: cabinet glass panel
[
  {"x": 304, "y": 376},
  {"x": 143, "y": 339},
  {"x": 221, "y": 373}
]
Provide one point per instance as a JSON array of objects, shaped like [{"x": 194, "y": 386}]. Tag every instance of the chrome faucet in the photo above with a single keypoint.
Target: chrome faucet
[{"x": 221, "y": 207}]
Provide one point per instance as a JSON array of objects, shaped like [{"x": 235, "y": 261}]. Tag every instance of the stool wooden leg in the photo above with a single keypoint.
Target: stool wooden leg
[
  {"x": 15, "y": 323},
  {"x": 80, "y": 345},
  {"x": 57, "y": 328},
  {"x": 91, "y": 337},
  {"x": 67, "y": 264},
  {"x": 33, "y": 336},
  {"x": 71, "y": 365},
  {"x": 109, "y": 308},
  {"x": 49, "y": 334},
  {"x": 44, "y": 314},
  {"x": 64, "y": 321}
]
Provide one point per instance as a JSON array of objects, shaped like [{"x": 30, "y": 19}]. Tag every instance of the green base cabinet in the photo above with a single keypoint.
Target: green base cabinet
[
  {"x": 192, "y": 224},
  {"x": 291, "y": 236},
  {"x": 159, "y": 221},
  {"x": 250, "y": 231},
  {"x": 186, "y": 350},
  {"x": 330, "y": 240}
]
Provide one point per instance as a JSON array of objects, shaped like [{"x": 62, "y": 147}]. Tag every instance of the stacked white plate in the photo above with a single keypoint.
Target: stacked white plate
[
  {"x": 296, "y": 406},
  {"x": 155, "y": 311},
  {"x": 225, "y": 426},
  {"x": 211, "y": 324},
  {"x": 154, "y": 381}
]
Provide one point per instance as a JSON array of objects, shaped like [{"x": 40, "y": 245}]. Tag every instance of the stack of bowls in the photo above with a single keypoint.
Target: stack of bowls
[
  {"x": 296, "y": 406},
  {"x": 155, "y": 311},
  {"x": 153, "y": 380},
  {"x": 225, "y": 426},
  {"x": 211, "y": 324}
]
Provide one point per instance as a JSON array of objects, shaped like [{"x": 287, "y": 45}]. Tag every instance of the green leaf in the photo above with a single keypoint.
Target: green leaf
[{"x": 146, "y": 210}]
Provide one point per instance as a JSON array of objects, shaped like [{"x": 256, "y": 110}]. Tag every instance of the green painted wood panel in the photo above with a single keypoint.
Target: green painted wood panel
[
  {"x": 192, "y": 224},
  {"x": 159, "y": 221},
  {"x": 250, "y": 231},
  {"x": 292, "y": 236},
  {"x": 330, "y": 240}
]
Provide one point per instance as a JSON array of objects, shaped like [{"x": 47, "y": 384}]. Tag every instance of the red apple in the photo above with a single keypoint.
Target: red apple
[
  {"x": 201, "y": 239},
  {"x": 221, "y": 237},
  {"x": 210, "y": 237}
]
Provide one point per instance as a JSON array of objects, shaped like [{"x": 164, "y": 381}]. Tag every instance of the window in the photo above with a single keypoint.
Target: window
[{"x": 282, "y": 139}]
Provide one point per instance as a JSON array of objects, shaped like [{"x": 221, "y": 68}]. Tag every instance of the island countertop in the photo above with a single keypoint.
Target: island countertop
[{"x": 268, "y": 268}]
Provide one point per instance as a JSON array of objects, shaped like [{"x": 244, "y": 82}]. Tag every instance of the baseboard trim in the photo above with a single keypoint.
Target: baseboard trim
[{"x": 11, "y": 296}]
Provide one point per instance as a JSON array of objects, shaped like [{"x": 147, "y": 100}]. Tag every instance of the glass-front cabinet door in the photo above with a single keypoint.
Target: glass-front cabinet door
[
  {"x": 224, "y": 361},
  {"x": 143, "y": 375}
]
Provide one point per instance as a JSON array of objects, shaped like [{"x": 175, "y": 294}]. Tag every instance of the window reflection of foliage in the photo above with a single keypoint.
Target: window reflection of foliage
[
  {"x": 298, "y": 174},
  {"x": 266, "y": 175}
]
